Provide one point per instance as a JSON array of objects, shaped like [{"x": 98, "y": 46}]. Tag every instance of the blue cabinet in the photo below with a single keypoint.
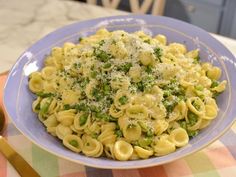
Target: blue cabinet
[
  {"x": 228, "y": 24},
  {"x": 217, "y": 16},
  {"x": 204, "y": 14}
]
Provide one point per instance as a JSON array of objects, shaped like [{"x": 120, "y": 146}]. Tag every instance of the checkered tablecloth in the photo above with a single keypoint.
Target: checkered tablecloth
[{"x": 218, "y": 159}]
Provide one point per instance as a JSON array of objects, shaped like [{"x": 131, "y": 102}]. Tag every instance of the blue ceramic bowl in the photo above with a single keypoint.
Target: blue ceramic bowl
[{"x": 18, "y": 98}]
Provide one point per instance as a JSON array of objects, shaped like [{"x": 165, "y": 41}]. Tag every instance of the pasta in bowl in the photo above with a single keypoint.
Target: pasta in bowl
[
  {"x": 125, "y": 95},
  {"x": 124, "y": 112}
]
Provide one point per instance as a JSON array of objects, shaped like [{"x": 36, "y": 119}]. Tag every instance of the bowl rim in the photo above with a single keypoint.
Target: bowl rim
[{"x": 94, "y": 165}]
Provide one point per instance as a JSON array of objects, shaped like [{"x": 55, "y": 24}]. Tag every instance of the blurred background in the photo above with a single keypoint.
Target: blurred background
[
  {"x": 216, "y": 16},
  {"x": 23, "y": 22}
]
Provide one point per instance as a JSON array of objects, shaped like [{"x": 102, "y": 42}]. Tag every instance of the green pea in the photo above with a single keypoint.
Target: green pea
[
  {"x": 74, "y": 143},
  {"x": 150, "y": 133},
  {"x": 107, "y": 65},
  {"x": 83, "y": 119},
  {"x": 193, "y": 118},
  {"x": 44, "y": 108},
  {"x": 199, "y": 87},
  {"x": 44, "y": 95},
  {"x": 144, "y": 142},
  {"x": 66, "y": 107},
  {"x": 93, "y": 74},
  {"x": 214, "y": 83},
  {"x": 123, "y": 100}
]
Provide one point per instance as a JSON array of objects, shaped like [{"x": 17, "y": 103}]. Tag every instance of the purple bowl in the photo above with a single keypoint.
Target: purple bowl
[{"x": 18, "y": 99}]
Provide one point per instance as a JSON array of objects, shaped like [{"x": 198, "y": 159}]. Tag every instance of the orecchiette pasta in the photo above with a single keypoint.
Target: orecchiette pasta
[
  {"x": 125, "y": 96},
  {"x": 179, "y": 137},
  {"x": 122, "y": 150}
]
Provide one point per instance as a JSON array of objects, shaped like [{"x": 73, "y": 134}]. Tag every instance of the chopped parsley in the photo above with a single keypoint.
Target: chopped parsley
[
  {"x": 125, "y": 67},
  {"x": 148, "y": 41},
  {"x": 158, "y": 54},
  {"x": 148, "y": 69},
  {"x": 82, "y": 107},
  {"x": 80, "y": 39},
  {"x": 197, "y": 59},
  {"x": 119, "y": 133},
  {"x": 102, "y": 55}
]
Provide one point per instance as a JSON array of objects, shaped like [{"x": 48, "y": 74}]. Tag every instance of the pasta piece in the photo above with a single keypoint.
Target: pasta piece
[
  {"x": 196, "y": 105},
  {"x": 160, "y": 126},
  {"x": 137, "y": 111},
  {"x": 36, "y": 83},
  {"x": 163, "y": 147},
  {"x": 158, "y": 112},
  {"x": 193, "y": 53},
  {"x": 214, "y": 73},
  {"x": 81, "y": 121},
  {"x": 73, "y": 142},
  {"x": 210, "y": 112},
  {"x": 66, "y": 117},
  {"x": 118, "y": 49},
  {"x": 158, "y": 93},
  {"x": 109, "y": 151},
  {"x": 205, "y": 81},
  {"x": 52, "y": 131},
  {"x": 70, "y": 97},
  {"x": 107, "y": 135},
  {"x": 221, "y": 87},
  {"x": 49, "y": 87},
  {"x": 175, "y": 48},
  {"x": 135, "y": 73},
  {"x": 146, "y": 58},
  {"x": 204, "y": 123},
  {"x": 161, "y": 38},
  {"x": 134, "y": 156},
  {"x": 120, "y": 82},
  {"x": 122, "y": 100},
  {"x": 51, "y": 121},
  {"x": 132, "y": 132},
  {"x": 48, "y": 73},
  {"x": 147, "y": 100},
  {"x": 143, "y": 153},
  {"x": 115, "y": 112},
  {"x": 91, "y": 147},
  {"x": 54, "y": 106},
  {"x": 123, "y": 122},
  {"x": 93, "y": 129},
  {"x": 122, "y": 150},
  {"x": 179, "y": 137},
  {"x": 190, "y": 79},
  {"x": 62, "y": 131},
  {"x": 36, "y": 105},
  {"x": 89, "y": 89}
]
